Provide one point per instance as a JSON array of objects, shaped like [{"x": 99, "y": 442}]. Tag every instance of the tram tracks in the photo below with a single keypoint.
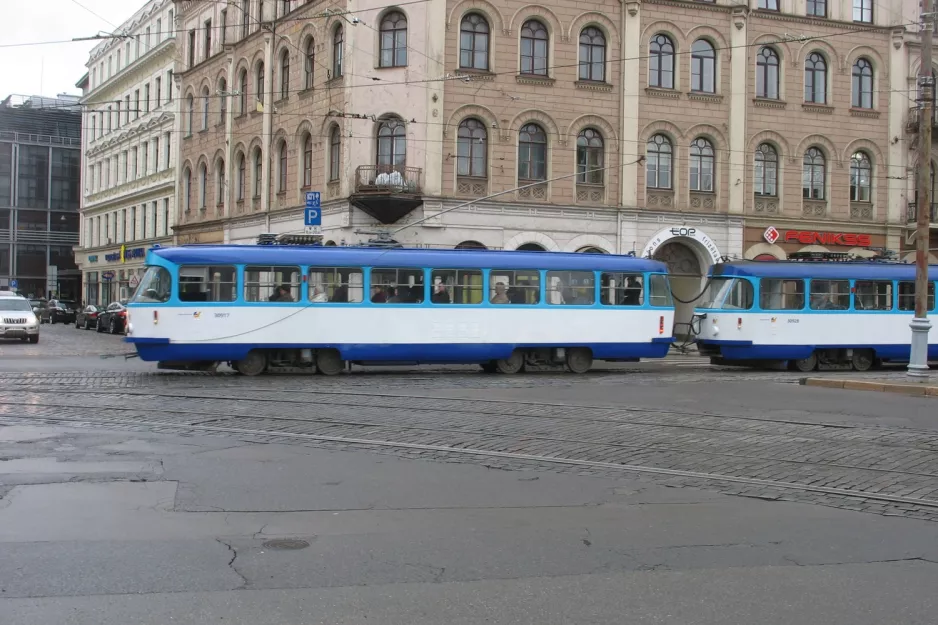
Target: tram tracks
[{"x": 866, "y": 462}]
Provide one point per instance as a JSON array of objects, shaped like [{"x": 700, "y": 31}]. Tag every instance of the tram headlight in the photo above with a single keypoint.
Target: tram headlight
[{"x": 716, "y": 328}]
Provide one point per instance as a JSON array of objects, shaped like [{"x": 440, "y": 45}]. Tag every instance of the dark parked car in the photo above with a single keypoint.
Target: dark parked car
[
  {"x": 41, "y": 308},
  {"x": 87, "y": 317},
  {"x": 113, "y": 319},
  {"x": 62, "y": 311}
]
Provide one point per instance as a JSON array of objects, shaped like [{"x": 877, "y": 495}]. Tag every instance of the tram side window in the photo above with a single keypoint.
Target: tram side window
[
  {"x": 573, "y": 288},
  {"x": 456, "y": 286},
  {"x": 776, "y": 294},
  {"x": 621, "y": 289},
  {"x": 728, "y": 294},
  {"x": 336, "y": 285},
  {"x": 508, "y": 286},
  {"x": 396, "y": 286},
  {"x": 659, "y": 291},
  {"x": 271, "y": 284},
  {"x": 207, "y": 283},
  {"x": 830, "y": 294},
  {"x": 907, "y": 296},
  {"x": 872, "y": 295}
]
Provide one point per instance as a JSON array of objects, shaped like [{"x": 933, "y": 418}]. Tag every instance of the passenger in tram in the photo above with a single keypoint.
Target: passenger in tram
[
  {"x": 501, "y": 294},
  {"x": 319, "y": 295},
  {"x": 440, "y": 295},
  {"x": 632, "y": 294},
  {"x": 393, "y": 295},
  {"x": 340, "y": 294},
  {"x": 282, "y": 294},
  {"x": 379, "y": 295}
]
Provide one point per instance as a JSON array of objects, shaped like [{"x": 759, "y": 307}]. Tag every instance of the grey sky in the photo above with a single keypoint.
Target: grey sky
[{"x": 52, "y": 69}]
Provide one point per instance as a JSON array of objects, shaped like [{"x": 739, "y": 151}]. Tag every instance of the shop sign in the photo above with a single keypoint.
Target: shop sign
[
  {"x": 770, "y": 235},
  {"x": 125, "y": 254},
  {"x": 93, "y": 259},
  {"x": 107, "y": 275},
  {"x": 685, "y": 233},
  {"x": 845, "y": 239}
]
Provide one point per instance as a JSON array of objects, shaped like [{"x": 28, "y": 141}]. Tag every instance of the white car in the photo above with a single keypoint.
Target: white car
[{"x": 17, "y": 319}]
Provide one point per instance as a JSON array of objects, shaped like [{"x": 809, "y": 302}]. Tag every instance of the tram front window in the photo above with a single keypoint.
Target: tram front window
[
  {"x": 155, "y": 287},
  {"x": 728, "y": 294}
]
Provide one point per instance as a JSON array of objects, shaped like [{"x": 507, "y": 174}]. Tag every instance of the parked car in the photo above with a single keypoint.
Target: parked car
[
  {"x": 114, "y": 318},
  {"x": 62, "y": 311},
  {"x": 87, "y": 317},
  {"x": 17, "y": 319},
  {"x": 41, "y": 308}
]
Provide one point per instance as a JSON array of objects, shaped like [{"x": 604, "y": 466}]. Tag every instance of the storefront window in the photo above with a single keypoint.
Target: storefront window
[{"x": 92, "y": 292}]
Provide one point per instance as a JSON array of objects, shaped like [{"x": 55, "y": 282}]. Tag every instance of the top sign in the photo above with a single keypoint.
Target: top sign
[
  {"x": 682, "y": 232},
  {"x": 313, "y": 215}
]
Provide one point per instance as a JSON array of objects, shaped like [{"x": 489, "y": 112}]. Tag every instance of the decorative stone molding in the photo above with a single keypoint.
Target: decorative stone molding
[
  {"x": 532, "y": 237},
  {"x": 867, "y": 113},
  {"x": 590, "y": 193},
  {"x": 592, "y": 86},
  {"x": 534, "y": 115},
  {"x": 470, "y": 110},
  {"x": 546, "y": 15},
  {"x": 588, "y": 18},
  {"x": 700, "y": 96},
  {"x": 813, "y": 208},
  {"x": 332, "y": 188},
  {"x": 765, "y": 205},
  {"x": 471, "y": 187},
  {"x": 861, "y": 210},
  {"x": 659, "y": 198},
  {"x": 535, "y": 193},
  {"x": 657, "y": 92},
  {"x": 530, "y": 79},
  {"x": 489, "y": 10},
  {"x": 702, "y": 200},
  {"x": 811, "y": 107},
  {"x": 597, "y": 121},
  {"x": 766, "y": 103},
  {"x": 830, "y": 152}
]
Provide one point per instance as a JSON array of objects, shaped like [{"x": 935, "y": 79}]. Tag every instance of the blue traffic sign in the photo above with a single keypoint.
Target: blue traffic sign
[
  {"x": 14, "y": 284},
  {"x": 313, "y": 216}
]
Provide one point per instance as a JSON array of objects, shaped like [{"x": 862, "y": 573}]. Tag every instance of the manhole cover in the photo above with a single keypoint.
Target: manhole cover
[{"x": 286, "y": 543}]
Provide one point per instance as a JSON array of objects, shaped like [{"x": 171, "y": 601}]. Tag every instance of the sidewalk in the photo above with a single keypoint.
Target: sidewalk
[{"x": 927, "y": 387}]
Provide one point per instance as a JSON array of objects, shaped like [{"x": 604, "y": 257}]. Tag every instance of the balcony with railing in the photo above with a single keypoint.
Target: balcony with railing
[
  {"x": 387, "y": 192},
  {"x": 915, "y": 118},
  {"x": 912, "y": 214}
]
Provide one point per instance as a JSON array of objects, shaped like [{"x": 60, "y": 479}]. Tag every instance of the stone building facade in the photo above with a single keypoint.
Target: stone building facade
[{"x": 686, "y": 130}]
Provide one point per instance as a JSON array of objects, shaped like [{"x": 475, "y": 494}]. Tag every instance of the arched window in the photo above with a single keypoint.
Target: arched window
[
  {"x": 658, "y": 153},
  {"x": 392, "y": 145},
  {"x": 661, "y": 62},
  {"x": 307, "y": 161},
  {"x": 474, "y": 42},
  {"x": 220, "y": 187},
  {"x": 767, "y": 73},
  {"x": 259, "y": 82},
  {"x": 589, "y": 157},
  {"x": 534, "y": 41},
  {"x": 242, "y": 177},
  {"x": 592, "y": 55},
  {"x": 472, "y": 149},
  {"x": 335, "y": 153},
  {"x": 203, "y": 185},
  {"x": 223, "y": 91},
  {"x": 532, "y": 153},
  {"x": 258, "y": 171},
  {"x": 243, "y": 92},
  {"x": 393, "y": 36},
  {"x": 766, "y": 170},
  {"x": 813, "y": 175},
  {"x": 190, "y": 114},
  {"x": 815, "y": 79},
  {"x": 284, "y": 74},
  {"x": 701, "y": 165},
  {"x": 310, "y": 64},
  {"x": 703, "y": 59},
  {"x": 187, "y": 189},
  {"x": 282, "y": 169},
  {"x": 862, "y": 84},
  {"x": 861, "y": 177},
  {"x": 337, "y": 51},
  {"x": 205, "y": 101}
]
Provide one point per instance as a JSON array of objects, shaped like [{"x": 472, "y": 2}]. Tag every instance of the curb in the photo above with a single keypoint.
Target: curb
[{"x": 914, "y": 390}]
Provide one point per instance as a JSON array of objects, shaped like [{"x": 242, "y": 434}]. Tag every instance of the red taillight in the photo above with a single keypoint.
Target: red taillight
[
  {"x": 661, "y": 324},
  {"x": 123, "y": 313},
  {"x": 156, "y": 316}
]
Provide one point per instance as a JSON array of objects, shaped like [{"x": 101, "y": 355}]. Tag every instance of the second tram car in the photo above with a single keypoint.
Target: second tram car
[
  {"x": 318, "y": 308},
  {"x": 811, "y": 314}
]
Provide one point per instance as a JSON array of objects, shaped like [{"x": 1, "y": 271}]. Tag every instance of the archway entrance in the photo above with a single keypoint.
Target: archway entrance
[
  {"x": 590, "y": 250},
  {"x": 684, "y": 267},
  {"x": 531, "y": 247},
  {"x": 766, "y": 257},
  {"x": 470, "y": 245}
]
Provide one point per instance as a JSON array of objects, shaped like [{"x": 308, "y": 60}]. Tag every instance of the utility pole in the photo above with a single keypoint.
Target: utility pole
[{"x": 918, "y": 362}]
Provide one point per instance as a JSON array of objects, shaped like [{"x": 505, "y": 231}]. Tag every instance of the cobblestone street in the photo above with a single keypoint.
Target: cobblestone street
[{"x": 678, "y": 430}]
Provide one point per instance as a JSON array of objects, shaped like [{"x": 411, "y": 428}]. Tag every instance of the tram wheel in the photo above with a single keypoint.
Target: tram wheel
[
  {"x": 512, "y": 364},
  {"x": 863, "y": 359},
  {"x": 489, "y": 367},
  {"x": 579, "y": 359},
  {"x": 329, "y": 362},
  {"x": 805, "y": 364},
  {"x": 255, "y": 363}
]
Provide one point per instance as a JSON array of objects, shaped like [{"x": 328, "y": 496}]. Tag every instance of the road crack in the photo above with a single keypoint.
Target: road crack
[{"x": 231, "y": 563}]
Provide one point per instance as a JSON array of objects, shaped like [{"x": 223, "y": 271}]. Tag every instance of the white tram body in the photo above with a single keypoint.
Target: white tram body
[
  {"x": 202, "y": 304},
  {"x": 811, "y": 313}
]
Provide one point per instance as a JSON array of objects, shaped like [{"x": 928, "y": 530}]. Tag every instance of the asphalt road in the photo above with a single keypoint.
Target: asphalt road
[{"x": 669, "y": 492}]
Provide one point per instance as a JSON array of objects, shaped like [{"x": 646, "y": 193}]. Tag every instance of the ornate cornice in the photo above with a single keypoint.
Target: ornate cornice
[
  {"x": 655, "y": 92},
  {"x": 687, "y": 4}
]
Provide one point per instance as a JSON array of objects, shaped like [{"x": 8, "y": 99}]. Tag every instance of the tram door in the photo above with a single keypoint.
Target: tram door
[{"x": 685, "y": 282}]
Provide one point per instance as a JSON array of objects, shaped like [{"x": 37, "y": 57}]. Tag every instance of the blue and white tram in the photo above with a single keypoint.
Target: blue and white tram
[
  {"x": 811, "y": 314},
  {"x": 318, "y": 308}
]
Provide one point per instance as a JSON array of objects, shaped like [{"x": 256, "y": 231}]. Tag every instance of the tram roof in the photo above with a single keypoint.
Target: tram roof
[
  {"x": 825, "y": 269},
  {"x": 397, "y": 257}
]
